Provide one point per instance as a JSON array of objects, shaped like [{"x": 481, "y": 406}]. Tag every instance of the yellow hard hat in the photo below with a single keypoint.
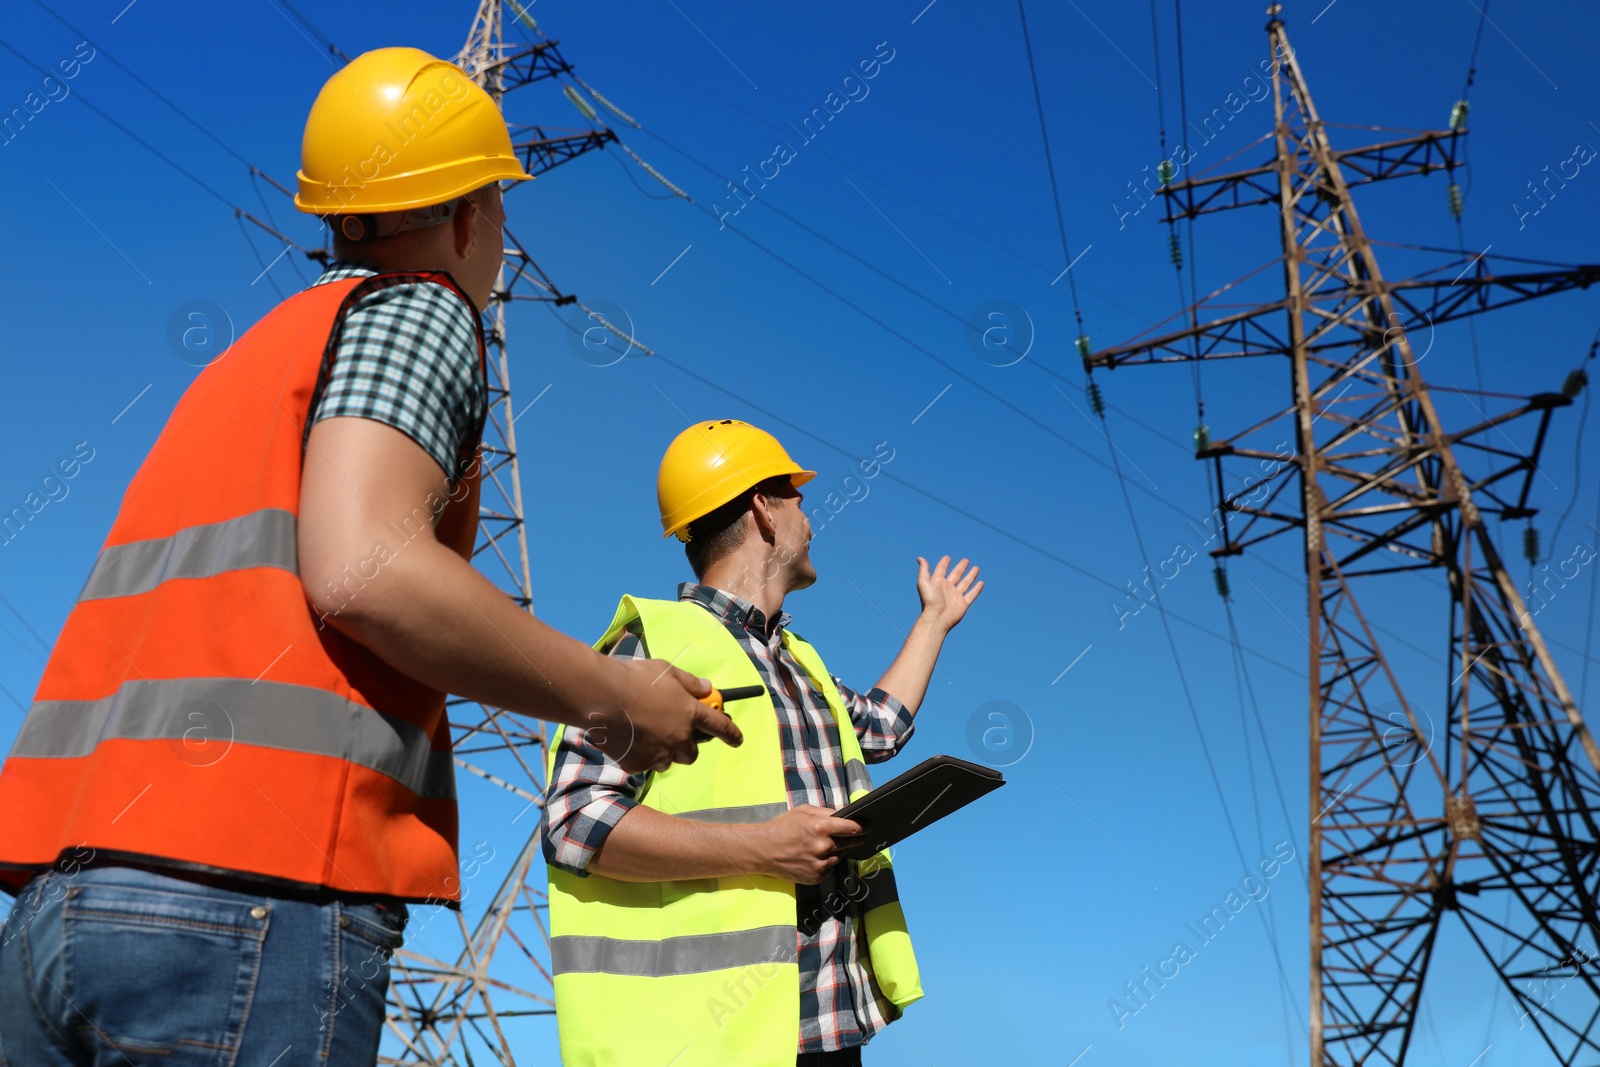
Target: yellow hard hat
[
  {"x": 398, "y": 129},
  {"x": 710, "y": 463}
]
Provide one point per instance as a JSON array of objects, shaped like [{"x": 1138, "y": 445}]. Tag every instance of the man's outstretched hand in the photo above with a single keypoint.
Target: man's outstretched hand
[
  {"x": 947, "y": 592},
  {"x": 654, "y": 717}
]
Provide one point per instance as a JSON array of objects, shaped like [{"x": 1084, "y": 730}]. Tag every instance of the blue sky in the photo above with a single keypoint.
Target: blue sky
[{"x": 1034, "y": 908}]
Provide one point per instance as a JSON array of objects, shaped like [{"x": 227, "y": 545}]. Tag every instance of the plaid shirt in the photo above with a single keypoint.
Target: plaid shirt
[
  {"x": 840, "y": 1004},
  {"x": 407, "y": 357}
]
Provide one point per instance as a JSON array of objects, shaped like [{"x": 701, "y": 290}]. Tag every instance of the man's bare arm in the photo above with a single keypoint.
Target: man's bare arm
[
  {"x": 650, "y": 846},
  {"x": 374, "y": 568}
]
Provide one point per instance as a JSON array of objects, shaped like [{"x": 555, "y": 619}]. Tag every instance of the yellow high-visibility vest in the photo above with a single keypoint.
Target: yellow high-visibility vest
[{"x": 704, "y": 973}]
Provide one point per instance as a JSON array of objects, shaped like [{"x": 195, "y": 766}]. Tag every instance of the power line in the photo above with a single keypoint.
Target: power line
[
  {"x": 1594, "y": 587},
  {"x": 1115, "y": 463},
  {"x": 294, "y": 261},
  {"x": 1241, "y": 681},
  {"x": 1477, "y": 39},
  {"x": 898, "y": 335},
  {"x": 45, "y": 645},
  {"x": 1188, "y": 696},
  {"x": 1050, "y": 167},
  {"x": 1458, "y": 195},
  {"x": 1007, "y": 534},
  {"x": 146, "y": 145},
  {"x": 798, "y": 223},
  {"x": 1045, "y": 553},
  {"x": 635, "y": 180},
  {"x": 1165, "y": 174},
  {"x": 1161, "y": 103},
  {"x": 840, "y": 163},
  {"x": 318, "y": 34},
  {"x": 11, "y": 697},
  {"x": 256, "y": 172},
  {"x": 1184, "y": 250},
  {"x": 835, "y": 160},
  {"x": 885, "y": 275},
  {"x": 925, "y": 352},
  {"x": 259, "y": 261},
  {"x": 190, "y": 119},
  {"x": 1261, "y": 729},
  {"x": 1581, "y": 376},
  {"x": 1242, "y": 677},
  {"x": 1194, "y": 290}
]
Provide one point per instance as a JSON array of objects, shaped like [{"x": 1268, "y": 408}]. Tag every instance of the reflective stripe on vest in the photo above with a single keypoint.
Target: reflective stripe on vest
[
  {"x": 709, "y": 967},
  {"x": 746, "y": 813},
  {"x": 195, "y": 708},
  {"x": 263, "y": 538},
  {"x": 223, "y": 712},
  {"x": 856, "y": 779},
  {"x": 673, "y": 955}
]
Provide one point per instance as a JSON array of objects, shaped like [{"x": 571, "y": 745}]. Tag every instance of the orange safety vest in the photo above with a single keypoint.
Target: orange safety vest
[{"x": 196, "y": 713}]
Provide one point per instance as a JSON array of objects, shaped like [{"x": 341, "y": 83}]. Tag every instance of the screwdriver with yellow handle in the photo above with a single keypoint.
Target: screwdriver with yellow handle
[{"x": 718, "y": 697}]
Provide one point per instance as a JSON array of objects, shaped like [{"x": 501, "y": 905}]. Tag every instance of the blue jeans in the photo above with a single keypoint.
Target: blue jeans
[{"x": 118, "y": 967}]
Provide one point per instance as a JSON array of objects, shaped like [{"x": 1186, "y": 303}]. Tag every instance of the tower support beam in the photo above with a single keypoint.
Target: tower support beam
[
  {"x": 1493, "y": 814},
  {"x": 454, "y": 1010}
]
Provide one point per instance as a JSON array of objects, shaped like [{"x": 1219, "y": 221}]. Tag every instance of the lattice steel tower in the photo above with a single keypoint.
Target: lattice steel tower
[
  {"x": 447, "y": 1011},
  {"x": 1494, "y": 814}
]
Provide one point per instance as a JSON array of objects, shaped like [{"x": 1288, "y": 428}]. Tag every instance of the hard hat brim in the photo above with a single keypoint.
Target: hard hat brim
[
  {"x": 315, "y": 198},
  {"x": 706, "y": 504}
]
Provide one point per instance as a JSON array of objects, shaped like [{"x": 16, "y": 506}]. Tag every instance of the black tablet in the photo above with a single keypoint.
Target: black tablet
[{"x": 921, "y": 796}]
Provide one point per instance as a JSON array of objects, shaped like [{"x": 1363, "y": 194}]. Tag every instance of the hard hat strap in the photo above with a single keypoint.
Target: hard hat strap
[{"x": 371, "y": 226}]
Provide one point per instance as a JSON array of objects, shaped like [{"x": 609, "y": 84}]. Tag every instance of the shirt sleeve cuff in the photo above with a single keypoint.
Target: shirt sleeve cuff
[
  {"x": 893, "y": 729},
  {"x": 573, "y": 846}
]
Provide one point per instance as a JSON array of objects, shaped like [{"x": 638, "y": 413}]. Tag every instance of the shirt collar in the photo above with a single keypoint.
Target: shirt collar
[
  {"x": 340, "y": 269},
  {"x": 731, "y": 608}
]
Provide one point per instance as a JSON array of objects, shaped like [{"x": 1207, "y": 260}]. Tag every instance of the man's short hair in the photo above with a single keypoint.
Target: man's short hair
[{"x": 714, "y": 535}]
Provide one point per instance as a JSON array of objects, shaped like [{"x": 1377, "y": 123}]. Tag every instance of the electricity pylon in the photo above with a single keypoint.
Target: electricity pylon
[
  {"x": 444, "y": 1011},
  {"x": 1494, "y": 819}
]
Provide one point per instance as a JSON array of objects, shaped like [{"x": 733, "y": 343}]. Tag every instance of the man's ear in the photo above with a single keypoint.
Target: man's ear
[
  {"x": 462, "y": 222},
  {"x": 761, "y": 510}
]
